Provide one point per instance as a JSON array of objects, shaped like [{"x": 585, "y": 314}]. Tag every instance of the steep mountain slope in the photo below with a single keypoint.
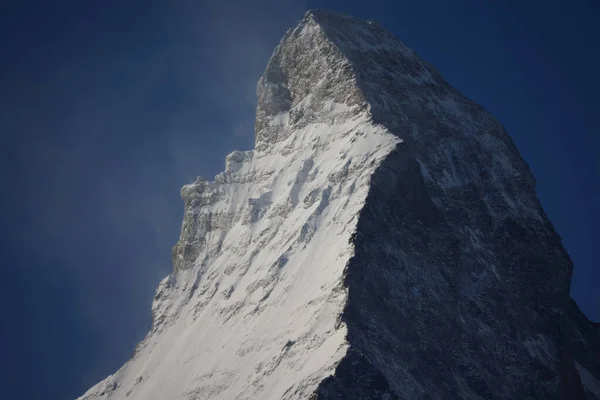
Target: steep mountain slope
[{"x": 382, "y": 240}]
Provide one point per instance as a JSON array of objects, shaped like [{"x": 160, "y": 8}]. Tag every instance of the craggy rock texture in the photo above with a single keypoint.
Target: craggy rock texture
[{"x": 383, "y": 240}]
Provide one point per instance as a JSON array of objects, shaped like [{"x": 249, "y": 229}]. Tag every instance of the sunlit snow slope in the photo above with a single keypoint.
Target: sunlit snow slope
[{"x": 382, "y": 241}]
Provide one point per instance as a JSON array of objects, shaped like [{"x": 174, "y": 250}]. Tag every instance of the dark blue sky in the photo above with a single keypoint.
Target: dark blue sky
[{"x": 107, "y": 108}]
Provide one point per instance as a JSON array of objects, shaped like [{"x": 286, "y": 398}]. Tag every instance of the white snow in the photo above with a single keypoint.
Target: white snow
[
  {"x": 280, "y": 119},
  {"x": 256, "y": 318},
  {"x": 589, "y": 381}
]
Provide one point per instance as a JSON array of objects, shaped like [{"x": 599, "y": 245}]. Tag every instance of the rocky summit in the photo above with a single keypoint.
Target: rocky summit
[{"x": 383, "y": 240}]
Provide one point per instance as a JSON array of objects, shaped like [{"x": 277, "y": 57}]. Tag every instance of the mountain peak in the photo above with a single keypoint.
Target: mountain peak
[
  {"x": 337, "y": 58},
  {"x": 326, "y": 17},
  {"x": 306, "y": 70},
  {"x": 382, "y": 241},
  {"x": 329, "y": 19}
]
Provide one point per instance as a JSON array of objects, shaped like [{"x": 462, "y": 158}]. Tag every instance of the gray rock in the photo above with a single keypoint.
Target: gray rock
[{"x": 459, "y": 287}]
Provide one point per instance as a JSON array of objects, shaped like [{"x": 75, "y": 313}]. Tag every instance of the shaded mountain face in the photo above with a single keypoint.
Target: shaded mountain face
[{"x": 383, "y": 240}]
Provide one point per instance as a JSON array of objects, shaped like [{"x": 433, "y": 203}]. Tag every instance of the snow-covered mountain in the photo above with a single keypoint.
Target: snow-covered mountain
[{"x": 383, "y": 240}]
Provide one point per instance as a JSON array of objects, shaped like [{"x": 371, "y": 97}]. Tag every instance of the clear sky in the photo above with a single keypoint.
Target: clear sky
[{"x": 107, "y": 108}]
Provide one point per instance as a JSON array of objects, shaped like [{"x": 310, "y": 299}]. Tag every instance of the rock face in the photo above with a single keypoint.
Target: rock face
[{"x": 382, "y": 241}]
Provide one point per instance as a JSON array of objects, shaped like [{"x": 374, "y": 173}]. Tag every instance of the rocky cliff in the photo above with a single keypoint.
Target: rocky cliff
[{"x": 383, "y": 240}]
